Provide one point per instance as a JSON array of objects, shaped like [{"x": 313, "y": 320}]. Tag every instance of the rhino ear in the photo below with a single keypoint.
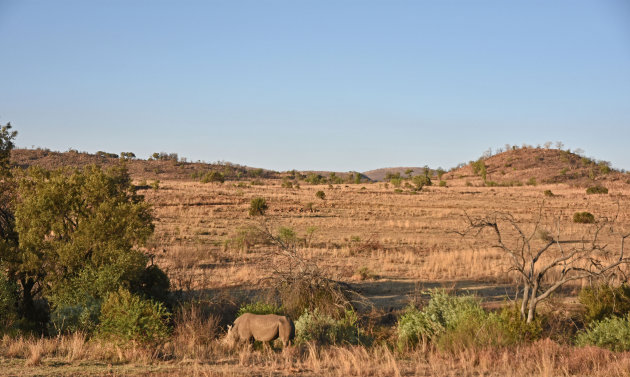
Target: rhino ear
[{"x": 229, "y": 328}]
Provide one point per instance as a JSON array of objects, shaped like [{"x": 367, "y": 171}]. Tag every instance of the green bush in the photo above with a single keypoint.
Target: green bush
[
  {"x": 512, "y": 329},
  {"x": 320, "y": 194},
  {"x": 213, "y": 176},
  {"x": 286, "y": 183},
  {"x": 258, "y": 207},
  {"x": 531, "y": 182},
  {"x": 420, "y": 181},
  {"x": 548, "y": 193},
  {"x": 128, "y": 317},
  {"x": 605, "y": 301},
  {"x": 245, "y": 238},
  {"x": 396, "y": 182},
  {"x": 441, "y": 313},
  {"x": 597, "y": 190},
  {"x": 479, "y": 168},
  {"x": 260, "y": 308},
  {"x": 82, "y": 317},
  {"x": 455, "y": 323},
  {"x": 612, "y": 333},
  {"x": 442, "y": 183},
  {"x": 315, "y": 179},
  {"x": 583, "y": 218},
  {"x": 324, "y": 329}
]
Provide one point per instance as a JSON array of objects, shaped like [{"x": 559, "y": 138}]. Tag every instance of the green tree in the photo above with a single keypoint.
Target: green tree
[
  {"x": 440, "y": 173},
  {"x": 79, "y": 233},
  {"x": 6, "y": 145},
  {"x": 421, "y": 180}
]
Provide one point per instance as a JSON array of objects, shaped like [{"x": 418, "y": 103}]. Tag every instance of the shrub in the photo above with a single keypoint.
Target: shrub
[
  {"x": 395, "y": 182},
  {"x": 442, "y": 183},
  {"x": 548, "y": 193},
  {"x": 82, "y": 317},
  {"x": 155, "y": 184},
  {"x": 441, "y": 313},
  {"x": 365, "y": 273},
  {"x": 583, "y": 218},
  {"x": 420, "y": 181},
  {"x": 213, "y": 176},
  {"x": 612, "y": 333},
  {"x": 531, "y": 182},
  {"x": 310, "y": 291},
  {"x": 605, "y": 301},
  {"x": 153, "y": 283},
  {"x": 128, "y": 317},
  {"x": 597, "y": 190},
  {"x": 8, "y": 303},
  {"x": 286, "y": 183},
  {"x": 245, "y": 238},
  {"x": 456, "y": 323},
  {"x": 260, "y": 307},
  {"x": 513, "y": 329},
  {"x": 258, "y": 207},
  {"x": 315, "y": 179},
  {"x": 324, "y": 329},
  {"x": 320, "y": 194}
]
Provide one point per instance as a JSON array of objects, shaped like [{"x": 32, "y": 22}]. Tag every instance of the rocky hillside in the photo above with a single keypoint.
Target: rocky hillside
[
  {"x": 164, "y": 167},
  {"x": 536, "y": 165}
]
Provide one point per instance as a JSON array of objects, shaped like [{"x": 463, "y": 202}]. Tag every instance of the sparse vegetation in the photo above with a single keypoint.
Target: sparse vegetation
[
  {"x": 597, "y": 190},
  {"x": 583, "y": 218},
  {"x": 309, "y": 275},
  {"x": 258, "y": 207},
  {"x": 320, "y": 195}
]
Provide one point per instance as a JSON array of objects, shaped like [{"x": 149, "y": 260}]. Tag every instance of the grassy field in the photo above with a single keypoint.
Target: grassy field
[
  {"x": 389, "y": 244},
  {"x": 403, "y": 242}
]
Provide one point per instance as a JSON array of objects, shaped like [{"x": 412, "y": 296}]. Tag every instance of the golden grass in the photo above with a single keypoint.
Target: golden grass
[
  {"x": 395, "y": 235},
  {"x": 541, "y": 358}
]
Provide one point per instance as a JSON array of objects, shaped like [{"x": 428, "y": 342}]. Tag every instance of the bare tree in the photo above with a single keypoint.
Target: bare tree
[{"x": 543, "y": 259}]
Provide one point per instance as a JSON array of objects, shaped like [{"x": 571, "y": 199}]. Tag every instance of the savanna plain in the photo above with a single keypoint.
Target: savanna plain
[{"x": 389, "y": 277}]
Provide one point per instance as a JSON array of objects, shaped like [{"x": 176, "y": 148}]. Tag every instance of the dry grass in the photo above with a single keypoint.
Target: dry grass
[
  {"x": 542, "y": 358},
  {"x": 396, "y": 236},
  {"x": 405, "y": 240}
]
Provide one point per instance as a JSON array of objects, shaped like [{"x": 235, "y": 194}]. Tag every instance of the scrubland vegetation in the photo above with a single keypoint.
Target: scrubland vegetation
[{"x": 103, "y": 273}]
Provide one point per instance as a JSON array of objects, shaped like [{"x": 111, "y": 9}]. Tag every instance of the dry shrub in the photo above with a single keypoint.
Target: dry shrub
[
  {"x": 13, "y": 347},
  {"x": 74, "y": 346},
  {"x": 300, "y": 283},
  {"x": 195, "y": 330},
  {"x": 36, "y": 350}
]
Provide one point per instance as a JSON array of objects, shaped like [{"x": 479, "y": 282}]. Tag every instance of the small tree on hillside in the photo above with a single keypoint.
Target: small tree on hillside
[
  {"x": 6, "y": 145},
  {"x": 545, "y": 260}
]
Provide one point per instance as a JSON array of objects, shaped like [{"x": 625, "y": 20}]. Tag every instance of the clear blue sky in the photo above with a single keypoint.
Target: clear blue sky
[{"x": 330, "y": 85}]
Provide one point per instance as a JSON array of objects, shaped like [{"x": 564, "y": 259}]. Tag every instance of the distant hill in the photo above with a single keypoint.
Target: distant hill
[
  {"x": 536, "y": 165},
  {"x": 380, "y": 174},
  {"x": 515, "y": 167},
  {"x": 167, "y": 167}
]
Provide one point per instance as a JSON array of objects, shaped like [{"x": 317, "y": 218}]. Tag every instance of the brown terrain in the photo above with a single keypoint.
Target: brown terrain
[{"x": 387, "y": 243}]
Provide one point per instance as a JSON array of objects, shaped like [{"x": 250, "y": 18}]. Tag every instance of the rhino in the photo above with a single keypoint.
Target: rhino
[{"x": 261, "y": 327}]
